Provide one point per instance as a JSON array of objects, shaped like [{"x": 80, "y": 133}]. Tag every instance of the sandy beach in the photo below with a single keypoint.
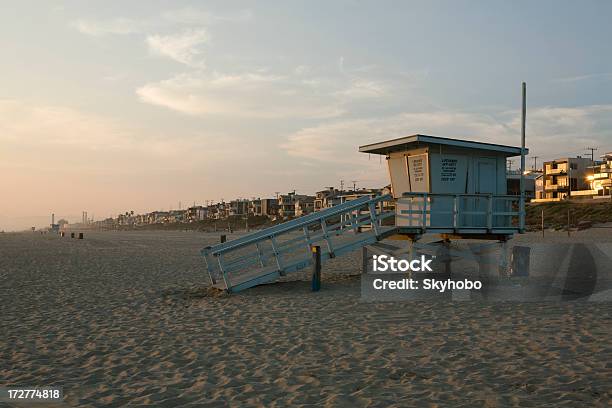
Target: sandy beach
[{"x": 126, "y": 318}]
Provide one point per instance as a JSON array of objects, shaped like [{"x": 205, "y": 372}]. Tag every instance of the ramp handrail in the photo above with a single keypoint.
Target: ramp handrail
[
  {"x": 265, "y": 255},
  {"x": 295, "y": 223},
  {"x": 423, "y": 208}
]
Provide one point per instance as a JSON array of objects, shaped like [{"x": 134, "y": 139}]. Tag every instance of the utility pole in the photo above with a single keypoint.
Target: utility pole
[
  {"x": 354, "y": 184},
  {"x": 523, "y": 121},
  {"x": 341, "y": 185},
  {"x": 510, "y": 161},
  {"x": 535, "y": 163},
  {"x": 592, "y": 149}
]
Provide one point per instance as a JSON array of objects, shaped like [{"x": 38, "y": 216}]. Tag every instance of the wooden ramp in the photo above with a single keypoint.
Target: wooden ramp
[{"x": 266, "y": 255}]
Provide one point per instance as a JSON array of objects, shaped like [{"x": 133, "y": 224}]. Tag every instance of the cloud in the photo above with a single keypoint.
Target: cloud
[
  {"x": 56, "y": 126},
  {"x": 339, "y": 141},
  {"x": 118, "y": 26},
  {"x": 251, "y": 95},
  {"x": 302, "y": 92},
  {"x": 165, "y": 20},
  {"x": 551, "y": 131},
  {"x": 183, "y": 47},
  {"x": 191, "y": 15},
  {"x": 577, "y": 78},
  {"x": 364, "y": 88}
]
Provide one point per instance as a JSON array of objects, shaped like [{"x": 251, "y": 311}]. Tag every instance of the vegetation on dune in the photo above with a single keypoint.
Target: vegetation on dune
[{"x": 555, "y": 214}]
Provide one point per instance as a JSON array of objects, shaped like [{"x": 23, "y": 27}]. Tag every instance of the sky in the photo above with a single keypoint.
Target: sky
[{"x": 109, "y": 107}]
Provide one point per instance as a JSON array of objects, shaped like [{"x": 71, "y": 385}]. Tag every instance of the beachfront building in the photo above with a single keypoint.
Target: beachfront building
[
  {"x": 286, "y": 205},
  {"x": 564, "y": 178},
  {"x": 177, "y": 216},
  {"x": 211, "y": 211},
  {"x": 600, "y": 180},
  {"x": 269, "y": 207},
  {"x": 326, "y": 198},
  {"x": 126, "y": 219},
  {"x": 159, "y": 217},
  {"x": 304, "y": 205},
  {"x": 539, "y": 186},
  {"x": 513, "y": 178},
  {"x": 220, "y": 210},
  {"x": 238, "y": 207},
  {"x": 196, "y": 213},
  {"x": 263, "y": 207},
  {"x": 255, "y": 207}
]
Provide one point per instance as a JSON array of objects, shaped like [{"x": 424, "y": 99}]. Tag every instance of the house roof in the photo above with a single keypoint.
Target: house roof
[{"x": 408, "y": 142}]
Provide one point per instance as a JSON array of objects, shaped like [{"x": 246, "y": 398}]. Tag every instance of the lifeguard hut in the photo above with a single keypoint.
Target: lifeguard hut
[
  {"x": 455, "y": 188},
  {"x": 450, "y": 186}
]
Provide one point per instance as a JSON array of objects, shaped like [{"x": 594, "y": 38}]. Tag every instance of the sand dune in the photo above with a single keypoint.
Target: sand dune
[{"x": 126, "y": 318}]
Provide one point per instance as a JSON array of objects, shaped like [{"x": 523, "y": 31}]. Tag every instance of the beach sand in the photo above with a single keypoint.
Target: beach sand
[{"x": 126, "y": 318}]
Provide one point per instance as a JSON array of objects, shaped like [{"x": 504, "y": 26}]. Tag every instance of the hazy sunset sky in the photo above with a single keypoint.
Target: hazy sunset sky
[{"x": 114, "y": 106}]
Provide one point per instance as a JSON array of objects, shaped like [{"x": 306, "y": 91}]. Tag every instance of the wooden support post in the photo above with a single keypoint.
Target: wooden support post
[
  {"x": 411, "y": 249},
  {"x": 364, "y": 260},
  {"x": 503, "y": 259},
  {"x": 520, "y": 261},
  {"x": 455, "y": 224},
  {"x": 316, "y": 268},
  {"x": 223, "y": 238},
  {"x": 447, "y": 257},
  {"x": 424, "y": 215},
  {"x": 489, "y": 212}
]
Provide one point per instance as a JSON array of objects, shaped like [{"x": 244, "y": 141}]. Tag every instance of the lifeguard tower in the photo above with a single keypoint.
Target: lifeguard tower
[{"x": 451, "y": 187}]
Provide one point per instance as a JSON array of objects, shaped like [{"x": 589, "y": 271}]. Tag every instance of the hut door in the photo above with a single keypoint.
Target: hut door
[
  {"x": 487, "y": 176},
  {"x": 486, "y": 184}
]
